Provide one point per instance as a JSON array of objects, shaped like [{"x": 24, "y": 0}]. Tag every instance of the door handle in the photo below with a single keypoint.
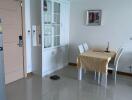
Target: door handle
[
  {"x": 20, "y": 43},
  {"x": 1, "y": 48}
]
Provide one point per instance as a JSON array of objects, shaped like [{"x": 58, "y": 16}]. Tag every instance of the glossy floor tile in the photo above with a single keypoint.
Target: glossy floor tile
[{"x": 69, "y": 88}]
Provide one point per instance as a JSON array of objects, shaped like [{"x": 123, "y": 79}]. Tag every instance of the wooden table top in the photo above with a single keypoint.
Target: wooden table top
[{"x": 95, "y": 60}]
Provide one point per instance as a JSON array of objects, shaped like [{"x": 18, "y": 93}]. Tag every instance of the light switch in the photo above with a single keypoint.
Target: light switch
[{"x": 36, "y": 35}]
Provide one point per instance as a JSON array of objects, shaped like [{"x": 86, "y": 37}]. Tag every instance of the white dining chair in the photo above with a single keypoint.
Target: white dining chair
[
  {"x": 115, "y": 65},
  {"x": 81, "y": 49},
  {"x": 112, "y": 67},
  {"x": 85, "y": 46}
]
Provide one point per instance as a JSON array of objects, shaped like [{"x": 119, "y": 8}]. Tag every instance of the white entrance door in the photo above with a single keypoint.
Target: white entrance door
[{"x": 10, "y": 13}]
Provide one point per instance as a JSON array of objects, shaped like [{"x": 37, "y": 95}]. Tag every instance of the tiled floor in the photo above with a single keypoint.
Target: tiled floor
[{"x": 69, "y": 88}]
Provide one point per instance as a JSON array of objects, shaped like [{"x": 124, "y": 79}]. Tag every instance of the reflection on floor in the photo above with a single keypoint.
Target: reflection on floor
[{"x": 69, "y": 88}]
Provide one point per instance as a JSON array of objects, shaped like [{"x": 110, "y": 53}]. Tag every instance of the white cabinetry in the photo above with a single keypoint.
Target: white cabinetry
[
  {"x": 51, "y": 23},
  {"x": 55, "y": 35},
  {"x": 54, "y": 59}
]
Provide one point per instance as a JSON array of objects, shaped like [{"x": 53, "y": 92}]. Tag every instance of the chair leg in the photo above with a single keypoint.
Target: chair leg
[
  {"x": 115, "y": 74},
  {"x": 104, "y": 79},
  {"x": 106, "y": 76},
  {"x": 80, "y": 73},
  {"x": 95, "y": 75},
  {"x": 130, "y": 68},
  {"x": 85, "y": 70},
  {"x": 98, "y": 77}
]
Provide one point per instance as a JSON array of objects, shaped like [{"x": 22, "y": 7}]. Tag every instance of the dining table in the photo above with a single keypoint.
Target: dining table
[{"x": 97, "y": 61}]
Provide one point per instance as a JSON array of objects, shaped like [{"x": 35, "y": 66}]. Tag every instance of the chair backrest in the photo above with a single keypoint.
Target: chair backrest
[
  {"x": 81, "y": 49},
  {"x": 118, "y": 55},
  {"x": 85, "y": 46}
]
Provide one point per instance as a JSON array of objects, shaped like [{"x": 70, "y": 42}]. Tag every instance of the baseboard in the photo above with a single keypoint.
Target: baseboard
[
  {"x": 125, "y": 73},
  {"x": 72, "y": 64},
  {"x": 54, "y": 70},
  {"x": 110, "y": 71},
  {"x": 29, "y": 75},
  {"x": 37, "y": 72}
]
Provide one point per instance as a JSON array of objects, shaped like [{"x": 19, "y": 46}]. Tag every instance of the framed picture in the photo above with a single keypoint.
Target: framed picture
[{"x": 93, "y": 17}]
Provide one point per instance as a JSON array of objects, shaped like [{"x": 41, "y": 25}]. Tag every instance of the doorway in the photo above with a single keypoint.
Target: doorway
[{"x": 10, "y": 13}]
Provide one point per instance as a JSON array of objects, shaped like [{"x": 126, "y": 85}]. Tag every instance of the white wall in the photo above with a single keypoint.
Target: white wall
[
  {"x": 27, "y": 27},
  {"x": 35, "y": 10},
  {"x": 116, "y": 27},
  {"x": 32, "y": 16}
]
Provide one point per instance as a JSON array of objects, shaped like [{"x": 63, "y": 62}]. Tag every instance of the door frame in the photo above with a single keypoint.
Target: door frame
[{"x": 24, "y": 37}]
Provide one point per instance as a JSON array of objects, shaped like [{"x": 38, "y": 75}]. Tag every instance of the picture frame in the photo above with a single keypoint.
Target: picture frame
[{"x": 93, "y": 17}]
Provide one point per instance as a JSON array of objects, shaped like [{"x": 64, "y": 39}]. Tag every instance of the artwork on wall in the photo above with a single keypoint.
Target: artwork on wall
[{"x": 93, "y": 17}]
